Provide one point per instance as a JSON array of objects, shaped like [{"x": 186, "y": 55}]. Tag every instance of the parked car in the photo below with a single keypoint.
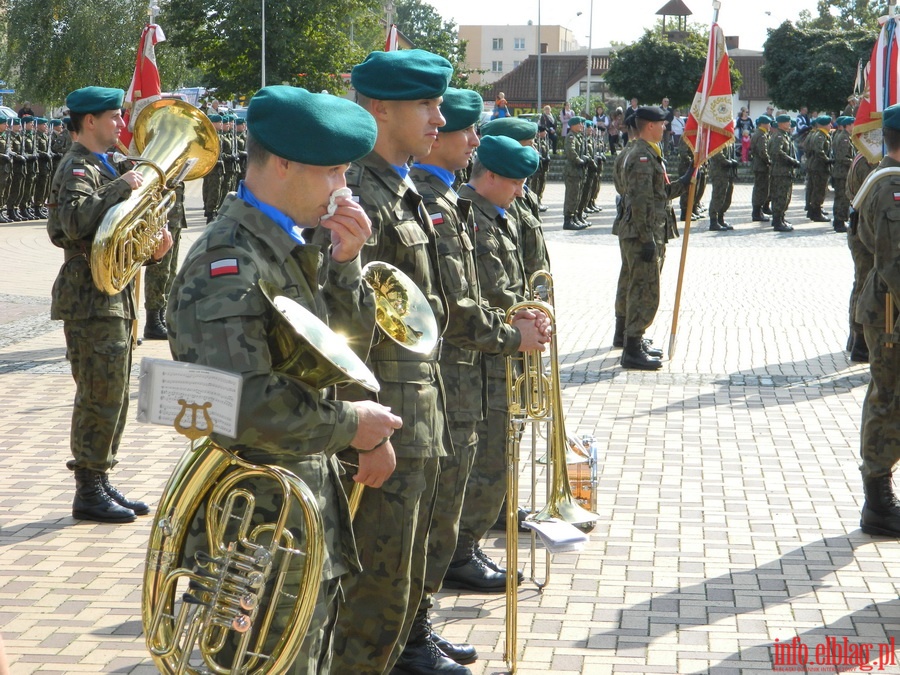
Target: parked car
[{"x": 7, "y": 112}]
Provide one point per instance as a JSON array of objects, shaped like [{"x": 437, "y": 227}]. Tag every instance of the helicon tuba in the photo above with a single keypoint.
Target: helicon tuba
[
  {"x": 177, "y": 142},
  {"x": 232, "y": 609}
]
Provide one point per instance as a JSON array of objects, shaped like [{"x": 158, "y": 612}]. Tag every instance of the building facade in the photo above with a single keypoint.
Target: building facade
[{"x": 499, "y": 50}]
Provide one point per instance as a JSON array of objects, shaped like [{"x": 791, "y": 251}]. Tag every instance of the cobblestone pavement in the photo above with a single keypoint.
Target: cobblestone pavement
[{"x": 729, "y": 493}]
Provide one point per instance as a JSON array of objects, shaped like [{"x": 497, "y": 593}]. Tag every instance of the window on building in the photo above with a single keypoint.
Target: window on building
[
  {"x": 496, "y": 66},
  {"x": 518, "y": 43},
  {"x": 516, "y": 65},
  {"x": 498, "y": 44}
]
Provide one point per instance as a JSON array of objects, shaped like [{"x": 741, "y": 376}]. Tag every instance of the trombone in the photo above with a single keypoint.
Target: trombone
[{"x": 534, "y": 398}]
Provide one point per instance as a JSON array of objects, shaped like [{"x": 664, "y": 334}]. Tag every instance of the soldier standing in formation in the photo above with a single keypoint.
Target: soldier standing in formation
[
  {"x": 158, "y": 279},
  {"x": 219, "y": 317},
  {"x": 214, "y": 180},
  {"x": 722, "y": 172},
  {"x": 648, "y": 224},
  {"x": 6, "y": 163},
  {"x": 593, "y": 149},
  {"x": 97, "y": 326},
  {"x": 229, "y": 157},
  {"x": 759, "y": 158},
  {"x": 880, "y": 434},
  {"x": 843, "y": 153},
  {"x": 44, "y": 168},
  {"x": 860, "y": 168},
  {"x": 685, "y": 164},
  {"x": 17, "y": 180},
  {"x": 538, "y": 181},
  {"x": 573, "y": 174},
  {"x": 471, "y": 330},
  {"x": 817, "y": 148},
  {"x": 781, "y": 176}
]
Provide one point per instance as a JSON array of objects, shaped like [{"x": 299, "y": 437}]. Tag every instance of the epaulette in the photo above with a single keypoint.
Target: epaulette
[
  {"x": 223, "y": 235},
  {"x": 354, "y": 175}
]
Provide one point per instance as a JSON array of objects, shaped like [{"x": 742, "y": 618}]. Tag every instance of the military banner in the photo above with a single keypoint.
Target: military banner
[
  {"x": 710, "y": 124},
  {"x": 880, "y": 89},
  {"x": 145, "y": 85}
]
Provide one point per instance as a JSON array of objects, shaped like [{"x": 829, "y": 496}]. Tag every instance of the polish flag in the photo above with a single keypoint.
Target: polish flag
[
  {"x": 393, "y": 39},
  {"x": 881, "y": 90}
]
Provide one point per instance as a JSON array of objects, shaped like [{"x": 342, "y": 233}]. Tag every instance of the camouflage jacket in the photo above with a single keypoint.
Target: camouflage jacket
[
  {"x": 759, "y": 151},
  {"x": 526, "y": 213},
  {"x": 15, "y": 150},
  {"x": 781, "y": 153},
  {"x": 860, "y": 168},
  {"x": 5, "y": 157},
  {"x": 722, "y": 165},
  {"x": 42, "y": 147},
  {"x": 81, "y": 192},
  {"x": 61, "y": 142},
  {"x": 217, "y": 316},
  {"x": 879, "y": 233},
  {"x": 818, "y": 151},
  {"x": 843, "y": 150},
  {"x": 648, "y": 216},
  {"x": 619, "y": 183},
  {"x": 403, "y": 235},
  {"x": 574, "y": 150}
]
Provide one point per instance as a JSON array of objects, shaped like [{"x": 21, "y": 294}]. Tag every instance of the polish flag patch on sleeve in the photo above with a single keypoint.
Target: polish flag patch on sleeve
[
  {"x": 78, "y": 172},
  {"x": 222, "y": 267},
  {"x": 436, "y": 218},
  {"x": 643, "y": 159},
  {"x": 897, "y": 196}
]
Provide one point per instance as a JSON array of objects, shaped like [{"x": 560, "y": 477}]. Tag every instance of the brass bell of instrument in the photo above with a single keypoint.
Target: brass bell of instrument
[{"x": 402, "y": 311}]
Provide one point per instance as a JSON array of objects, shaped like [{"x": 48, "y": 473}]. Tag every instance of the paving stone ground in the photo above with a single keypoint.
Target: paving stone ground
[{"x": 728, "y": 491}]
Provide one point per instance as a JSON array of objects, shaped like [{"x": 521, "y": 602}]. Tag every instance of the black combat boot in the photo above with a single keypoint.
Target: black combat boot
[
  {"x": 570, "y": 224},
  {"x": 209, "y": 215},
  {"x": 461, "y": 652},
  {"x": 759, "y": 216},
  {"x": 634, "y": 357},
  {"x": 3, "y": 218},
  {"x": 422, "y": 656},
  {"x": 487, "y": 560},
  {"x": 767, "y": 208},
  {"x": 714, "y": 223},
  {"x": 816, "y": 215},
  {"x": 723, "y": 223},
  {"x": 839, "y": 226},
  {"x": 619, "y": 332},
  {"x": 16, "y": 215},
  {"x": 881, "y": 510},
  {"x": 778, "y": 223},
  {"x": 93, "y": 503},
  {"x": 139, "y": 508},
  {"x": 650, "y": 350},
  {"x": 44, "y": 212},
  {"x": 472, "y": 574},
  {"x": 859, "y": 353},
  {"x": 579, "y": 218},
  {"x": 155, "y": 329}
]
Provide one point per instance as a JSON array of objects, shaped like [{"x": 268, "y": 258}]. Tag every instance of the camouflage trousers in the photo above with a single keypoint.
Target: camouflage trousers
[
  {"x": 622, "y": 285},
  {"x": 863, "y": 261},
  {"x": 448, "y": 504},
  {"x": 5, "y": 183},
  {"x": 841, "y": 209},
  {"x": 41, "y": 189},
  {"x": 99, "y": 352},
  {"x": 212, "y": 190},
  {"x": 538, "y": 182},
  {"x": 880, "y": 433},
  {"x": 760, "y": 194},
  {"x": 816, "y": 189},
  {"x": 641, "y": 284},
  {"x": 573, "y": 183},
  {"x": 16, "y": 184},
  {"x": 722, "y": 190},
  {"x": 591, "y": 180},
  {"x": 486, "y": 488},
  {"x": 391, "y": 528},
  {"x": 158, "y": 278},
  {"x": 780, "y": 191},
  {"x": 27, "y": 195},
  {"x": 699, "y": 191}
]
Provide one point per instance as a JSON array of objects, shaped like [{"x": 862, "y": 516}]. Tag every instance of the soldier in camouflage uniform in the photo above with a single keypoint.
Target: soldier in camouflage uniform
[
  {"x": 471, "y": 329},
  {"x": 97, "y": 326},
  {"x": 402, "y": 90},
  {"x": 214, "y": 180},
  {"x": 158, "y": 278},
  {"x": 817, "y": 148},
  {"x": 843, "y": 153},
  {"x": 781, "y": 176},
  {"x": 685, "y": 164},
  {"x": 229, "y": 155},
  {"x": 44, "y": 168},
  {"x": 880, "y": 433},
  {"x": 31, "y": 168},
  {"x": 498, "y": 176},
  {"x": 538, "y": 182},
  {"x": 17, "y": 178},
  {"x": 5, "y": 167},
  {"x": 219, "y": 317},
  {"x": 760, "y": 163},
  {"x": 573, "y": 174},
  {"x": 648, "y": 224},
  {"x": 241, "y": 140},
  {"x": 722, "y": 172},
  {"x": 860, "y": 168},
  {"x": 621, "y": 208}
]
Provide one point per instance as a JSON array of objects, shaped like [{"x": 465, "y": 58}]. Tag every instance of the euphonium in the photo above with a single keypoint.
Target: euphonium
[
  {"x": 230, "y": 609},
  {"x": 177, "y": 142}
]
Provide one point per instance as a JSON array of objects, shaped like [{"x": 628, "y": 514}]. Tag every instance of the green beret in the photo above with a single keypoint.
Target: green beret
[
  {"x": 783, "y": 118},
  {"x": 4, "y": 119},
  {"x": 575, "y": 120},
  {"x": 844, "y": 120},
  {"x": 215, "y": 117},
  {"x": 402, "y": 75},
  {"x": 650, "y": 112},
  {"x": 506, "y": 157},
  {"x": 589, "y": 123},
  {"x": 55, "y": 123},
  {"x": 793, "y": 124},
  {"x": 26, "y": 119},
  {"x": 461, "y": 108},
  {"x": 94, "y": 100},
  {"x": 890, "y": 117},
  {"x": 823, "y": 120},
  {"x": 239, "y": 120},
  {"x": 66, "y": 119},
  {"x": 326, "y": 130},
  {"x": 40, "y": 120},
  {"x": 16, "y": 122},
  {"x": 763, "y": 119},
  {"x": 516, "y": 128}
]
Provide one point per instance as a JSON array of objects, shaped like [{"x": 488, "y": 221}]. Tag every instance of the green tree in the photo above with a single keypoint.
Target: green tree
[
  {"x": 308, "y": 44},
  {"x": 844, "y": 14},
  {"x": 653, "y": 67},
  {"x": 56, "y": 46},
  {"x": 814, "y": 67},
  {"x": 427, "y": 30}
]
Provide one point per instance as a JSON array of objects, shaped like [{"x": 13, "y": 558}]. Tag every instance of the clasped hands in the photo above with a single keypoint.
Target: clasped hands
[{"x": 535, "y": 328}]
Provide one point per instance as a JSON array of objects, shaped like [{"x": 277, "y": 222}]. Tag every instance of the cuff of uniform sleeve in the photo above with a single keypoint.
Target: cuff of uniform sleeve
[
  {"x": 511, "y": 339},
  {"x": 345, "y": 274},
  {"x": 344, "y": 429}
]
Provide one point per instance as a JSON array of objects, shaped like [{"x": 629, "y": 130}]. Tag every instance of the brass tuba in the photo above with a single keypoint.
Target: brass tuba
[
  {"x": 177, "y": 142},
  {"x": 234, "y": 608}
]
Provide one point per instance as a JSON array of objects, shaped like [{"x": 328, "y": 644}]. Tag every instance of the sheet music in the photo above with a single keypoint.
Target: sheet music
[
  {"x": 163, "y": 384},
  {"x": 558, "y": 536}
]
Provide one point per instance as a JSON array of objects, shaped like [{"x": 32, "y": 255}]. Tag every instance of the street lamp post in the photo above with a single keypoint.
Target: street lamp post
[
  {"x": 587, "y": 93},
  {"x": 540, "y": 105},
  {"x": 263, "y": 43}
]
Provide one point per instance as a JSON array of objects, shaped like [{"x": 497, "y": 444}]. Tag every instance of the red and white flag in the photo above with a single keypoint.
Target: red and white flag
[
  {"x": 145, "y": 85},
  {"x": 393, "y": 39},
  {"x": 710, "y": 124},
  {"x": 880, "y": 91}
]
